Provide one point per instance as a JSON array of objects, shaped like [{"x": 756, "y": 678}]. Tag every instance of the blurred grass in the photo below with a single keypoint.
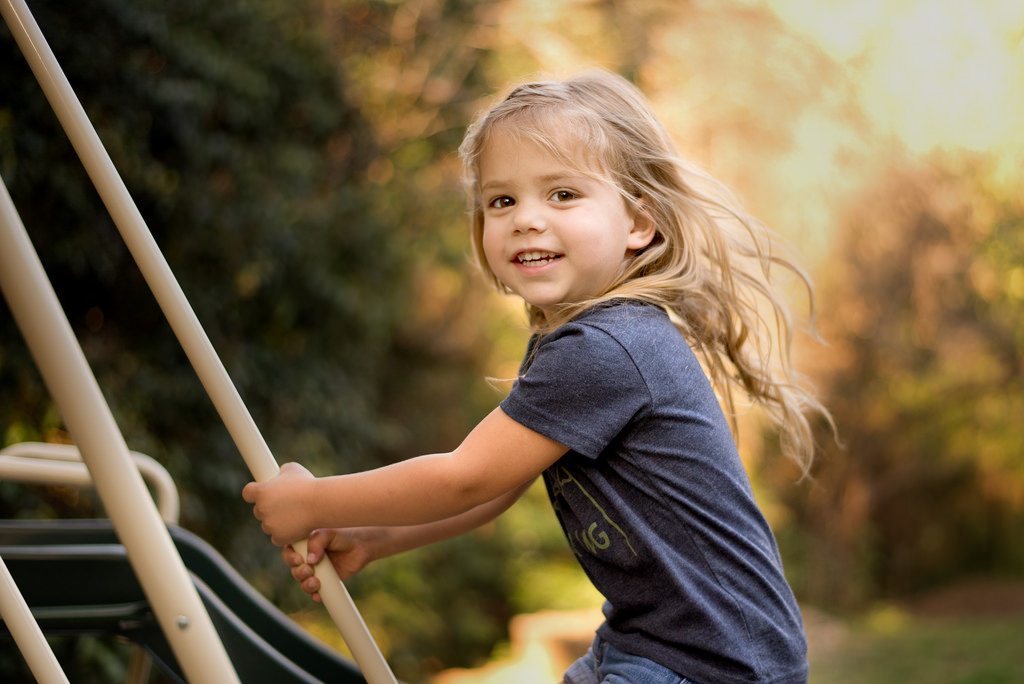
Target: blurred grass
[{"x": 889, "y": 646}]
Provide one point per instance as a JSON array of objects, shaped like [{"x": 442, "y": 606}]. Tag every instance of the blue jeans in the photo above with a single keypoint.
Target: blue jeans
[{"x": 605, "y": 664}]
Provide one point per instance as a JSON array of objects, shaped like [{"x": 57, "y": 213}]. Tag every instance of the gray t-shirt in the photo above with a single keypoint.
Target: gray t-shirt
[{"x": 654, "y": 499}]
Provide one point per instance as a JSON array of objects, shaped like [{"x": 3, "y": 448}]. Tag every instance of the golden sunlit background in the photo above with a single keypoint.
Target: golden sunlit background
[{"x": 298, "y": 163}]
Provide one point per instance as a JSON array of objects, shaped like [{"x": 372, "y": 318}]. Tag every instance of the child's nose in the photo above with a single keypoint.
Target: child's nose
[{"x": 529, "y": 217}]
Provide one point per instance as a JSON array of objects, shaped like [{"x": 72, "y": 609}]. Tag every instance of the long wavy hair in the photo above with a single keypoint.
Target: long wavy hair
[{"x": 713, "y": 268}]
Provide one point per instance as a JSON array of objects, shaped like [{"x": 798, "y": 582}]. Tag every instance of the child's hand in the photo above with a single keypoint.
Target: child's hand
[
  {"x": 346, "y": 551},
  {"x": 284, "y": 504}
]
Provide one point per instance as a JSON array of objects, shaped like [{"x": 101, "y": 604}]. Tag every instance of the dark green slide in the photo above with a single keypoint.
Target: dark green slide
[{"x": 75, "y": 576}]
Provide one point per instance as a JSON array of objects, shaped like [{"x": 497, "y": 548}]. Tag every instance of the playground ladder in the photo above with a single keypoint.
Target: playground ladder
[{"x": 70, "y": 381}]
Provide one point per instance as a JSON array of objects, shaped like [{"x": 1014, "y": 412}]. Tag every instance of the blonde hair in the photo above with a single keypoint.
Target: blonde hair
[{"x": 710, "y": 266}]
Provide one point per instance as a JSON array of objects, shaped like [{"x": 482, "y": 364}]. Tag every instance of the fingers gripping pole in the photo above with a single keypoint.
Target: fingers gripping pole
[{"x": 179, "y": 313}]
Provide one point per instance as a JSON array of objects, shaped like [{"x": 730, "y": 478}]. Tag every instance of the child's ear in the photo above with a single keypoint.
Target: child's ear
[{"x": 643, "y": 228}]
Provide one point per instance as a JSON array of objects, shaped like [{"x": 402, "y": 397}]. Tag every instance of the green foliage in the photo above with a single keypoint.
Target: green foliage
[{"x": 236, "y": 138}]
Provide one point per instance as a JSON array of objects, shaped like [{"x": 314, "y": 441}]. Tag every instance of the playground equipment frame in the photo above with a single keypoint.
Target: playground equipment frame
[{"x": 70, "y": 381}]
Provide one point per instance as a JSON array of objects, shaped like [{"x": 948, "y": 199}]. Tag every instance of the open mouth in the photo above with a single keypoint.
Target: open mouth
[{"x": 537, "y": 258}]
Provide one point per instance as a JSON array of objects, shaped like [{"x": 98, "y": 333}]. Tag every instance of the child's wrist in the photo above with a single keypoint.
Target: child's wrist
[
  {"x": 374, "y": 541},
  {"x": 319, "y": 504}
]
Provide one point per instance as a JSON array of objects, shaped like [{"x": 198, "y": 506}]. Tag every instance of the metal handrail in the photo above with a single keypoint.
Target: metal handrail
[{"x": 61, "y": 464}]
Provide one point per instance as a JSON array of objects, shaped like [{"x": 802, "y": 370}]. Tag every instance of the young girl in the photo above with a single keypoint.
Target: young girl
[{"x": 640, "y": 282}]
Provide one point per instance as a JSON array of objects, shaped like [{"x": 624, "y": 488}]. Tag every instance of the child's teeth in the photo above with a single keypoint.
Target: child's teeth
[{"x": 536, "y": 258}]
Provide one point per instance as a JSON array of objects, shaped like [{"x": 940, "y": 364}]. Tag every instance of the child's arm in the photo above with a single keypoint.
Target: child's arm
[
  {"x": 350, "y": 550},
  {"x": 404, "y": 538},
  {"x": 498, "y": 456}
]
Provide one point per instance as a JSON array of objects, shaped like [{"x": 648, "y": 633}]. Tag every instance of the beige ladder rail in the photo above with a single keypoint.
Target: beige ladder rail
[
  {"x": 183, "y": 321},
  {"x": 27, "y": 635}
]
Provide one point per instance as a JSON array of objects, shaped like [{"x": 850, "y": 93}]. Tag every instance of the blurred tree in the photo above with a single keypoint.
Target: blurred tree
[
  {"x": 415, "y": 70},
  {"x": 922, "y": 307},
  {"x": 238, "y": 140}
]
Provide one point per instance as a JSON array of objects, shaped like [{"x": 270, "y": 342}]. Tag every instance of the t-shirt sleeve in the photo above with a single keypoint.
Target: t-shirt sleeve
[{"x": 580, "y": 389}]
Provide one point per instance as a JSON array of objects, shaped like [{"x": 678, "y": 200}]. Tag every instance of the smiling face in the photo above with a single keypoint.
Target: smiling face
[{"x": 552, "y": 233}]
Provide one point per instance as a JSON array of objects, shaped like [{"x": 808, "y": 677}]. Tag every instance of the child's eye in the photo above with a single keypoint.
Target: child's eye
[
  {"x": 501, "y": 202},
  {"x": 563, "y": 195}
]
